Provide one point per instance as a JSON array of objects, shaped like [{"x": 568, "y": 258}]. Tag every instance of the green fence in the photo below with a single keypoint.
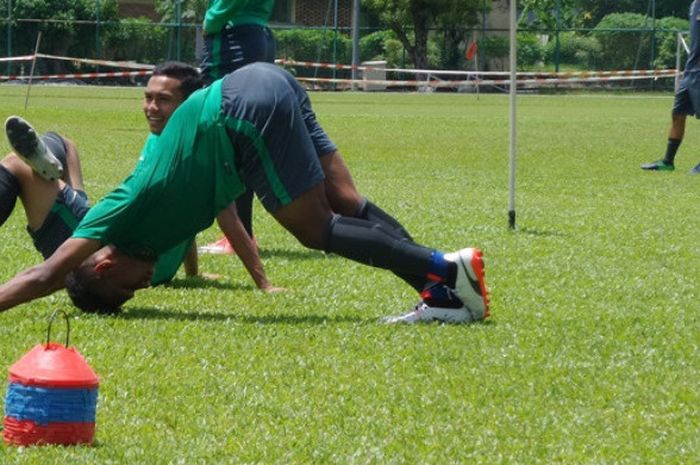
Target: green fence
[{"x": 143, "y": 41}]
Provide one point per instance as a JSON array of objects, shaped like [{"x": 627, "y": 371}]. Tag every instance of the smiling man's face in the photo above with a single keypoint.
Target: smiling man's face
[{"x": 161, "y": 98}]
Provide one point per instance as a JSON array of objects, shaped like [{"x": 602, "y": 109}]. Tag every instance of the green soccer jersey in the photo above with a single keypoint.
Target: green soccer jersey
[
  {"x": 184, "y": 178},
  {"x": 236, "y": 12}
]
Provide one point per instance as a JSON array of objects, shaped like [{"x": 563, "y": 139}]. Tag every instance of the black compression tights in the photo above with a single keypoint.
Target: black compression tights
[
  {"x": 9, "y": 190},
  {"x": 373, "y": 244}
]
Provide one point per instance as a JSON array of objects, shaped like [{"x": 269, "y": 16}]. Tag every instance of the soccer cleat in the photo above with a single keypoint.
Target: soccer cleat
[
  {"x": 30, "y": 148},
  {"x": 470, "y": 285},
  {"x": 424, "y": 313},
  {"x": 695, "y": 170},
  {"x": 658, "y": 165},
  {"x": 220, "y": 247}
]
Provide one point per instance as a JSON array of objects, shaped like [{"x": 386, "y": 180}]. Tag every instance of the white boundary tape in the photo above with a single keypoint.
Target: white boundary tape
[{"x": 472, "y": 78}]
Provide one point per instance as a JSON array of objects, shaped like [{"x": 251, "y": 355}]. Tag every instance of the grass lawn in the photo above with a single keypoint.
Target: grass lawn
[{"x": 591, "y": 354}]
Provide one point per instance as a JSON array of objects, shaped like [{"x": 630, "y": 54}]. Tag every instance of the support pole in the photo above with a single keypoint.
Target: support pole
[
  {"x": 31, "y": 72},
  {"x": 513, "y": 91},
  {"x": 355, "y": 42}
]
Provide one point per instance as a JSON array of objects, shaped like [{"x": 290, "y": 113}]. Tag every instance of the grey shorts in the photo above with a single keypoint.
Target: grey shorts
[
  {"x": 57, "y": 146},
  {"x": 687, "y": 99},
  {"x": 70, "y": 207},
  {"x": 274, "y": 132},
  {"x": 235, "y": 47}
]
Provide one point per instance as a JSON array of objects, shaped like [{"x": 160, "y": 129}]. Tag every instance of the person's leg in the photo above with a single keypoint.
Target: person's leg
[
  {"x": 67, "y": 153},
  {"x": 9, "y": 191},
  {"x": 283, "y": 168},
  {"x": 675, "y": 137},
  {"x": 244, "y": 205},
  {"x": 682, "y": 107},
  {"x": 37, "y": 194},
  {"x": 445, "y": 281},
  {"x": 28, "y": 146}
]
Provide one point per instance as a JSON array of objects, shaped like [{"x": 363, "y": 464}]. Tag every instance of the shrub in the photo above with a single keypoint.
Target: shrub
[
  {"x": 136, "y": 39},
  {"x": 666, "y": 41},
  {"x": 530, "y": 50},
  {"x": 625, "y": 41},
  {"x": 574, "y": 49}
]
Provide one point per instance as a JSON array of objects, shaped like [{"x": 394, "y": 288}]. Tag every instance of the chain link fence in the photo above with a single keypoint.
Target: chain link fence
[{"x": 143, "y": 41}]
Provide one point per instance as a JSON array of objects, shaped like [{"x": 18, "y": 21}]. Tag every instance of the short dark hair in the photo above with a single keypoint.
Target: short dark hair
[
  {"x": 84, "y": 297},
  {"x": 189, "y": 76}
]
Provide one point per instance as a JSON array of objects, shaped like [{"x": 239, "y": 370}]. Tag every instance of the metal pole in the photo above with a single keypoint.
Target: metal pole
[
  {"x": 513, "y": 83},
  {"x": 177, "y": 29},
  {"x": 653, "y": 33},
  {"x": 97, "y": 33},
  {"x": 557, "y": 48},
  {"x": 9, "y": 35},
  {"x": 335, "y": 38},
  {"x": 355, "y": 41},
  {"x": 31, "y": 73}
]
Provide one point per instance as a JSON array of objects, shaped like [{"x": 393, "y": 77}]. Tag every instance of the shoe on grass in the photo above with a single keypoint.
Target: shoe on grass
[
  {"x": 695, "y": 170},
  {"x": 470, "y": 285},
  {"x": 658, "y": 165},
  {"x": 29, "y": 147},
  {"x": 424, "y": 313},
  {"x": 220, "y": 247}
]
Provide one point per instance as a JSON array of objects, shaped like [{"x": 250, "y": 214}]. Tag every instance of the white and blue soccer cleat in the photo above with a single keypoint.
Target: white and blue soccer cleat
[
  {"x": 424, "y": 313},
  {"x": 29, "y": 147},
  {"x": 470, "y": 285}
]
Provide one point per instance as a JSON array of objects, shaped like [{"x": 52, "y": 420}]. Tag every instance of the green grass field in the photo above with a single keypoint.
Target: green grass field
[{"x": 591, "y": 355}]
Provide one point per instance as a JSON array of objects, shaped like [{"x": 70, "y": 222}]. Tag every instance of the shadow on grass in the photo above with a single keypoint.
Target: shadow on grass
[
  {"x": 199, "y": 282},
  {"x": 303, "y": 254},
  {"x": 149, "y": 313},
  {"x": 540, "y": 233}
]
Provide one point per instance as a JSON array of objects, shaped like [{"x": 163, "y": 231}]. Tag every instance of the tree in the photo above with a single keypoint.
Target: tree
[
  {"x": 61, "y": 32},
  {"x": 548, "y": 14},
  {"x": 411, "y": 20}
]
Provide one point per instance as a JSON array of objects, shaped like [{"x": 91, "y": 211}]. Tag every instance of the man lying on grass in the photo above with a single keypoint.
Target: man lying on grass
[
  {"x": 254, "y": 128},
  {"x": 54, "y": 199}
]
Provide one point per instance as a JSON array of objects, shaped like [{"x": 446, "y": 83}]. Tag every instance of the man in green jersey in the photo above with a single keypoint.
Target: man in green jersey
[
  {"x": 249, "y": 129},
  {"x": 54, "y": 207}
]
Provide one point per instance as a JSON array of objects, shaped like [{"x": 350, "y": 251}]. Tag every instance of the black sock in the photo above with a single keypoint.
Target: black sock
[
  {"x": 671, "y": 150},
  {"x": 371, "y": 212},
  {"x": 9, "y": 190},
  {"x": 372, "y": 244}
]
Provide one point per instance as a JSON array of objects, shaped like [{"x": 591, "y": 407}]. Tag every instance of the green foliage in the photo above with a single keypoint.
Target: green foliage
[
  {"x": 548, "y": 14},
  {"x": 590, "y": 356},
  {"x": 530, "y": 50},
  {"x": 190, "y": 11},
  {"x": 622, "y": 47},
  {"x": 666, "y": 41},
  {"x": 574, "y": 49},
  {"x": 382, "y": 45},
  {"x": 313, "y": 45},
  {"x": 411, "y": 21},
  {"x": 494, "y": 47},
  {"x": 136, "y": 39}
]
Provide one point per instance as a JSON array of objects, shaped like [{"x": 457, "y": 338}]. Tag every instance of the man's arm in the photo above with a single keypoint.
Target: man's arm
[
  {"x": 48, "y": 277},
  {"x": 233, "y": 229},
  {"x": 191, "y": 261}
]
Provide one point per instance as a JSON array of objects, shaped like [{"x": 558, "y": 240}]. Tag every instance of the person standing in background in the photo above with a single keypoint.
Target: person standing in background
[{"x": 236, "y": 33}]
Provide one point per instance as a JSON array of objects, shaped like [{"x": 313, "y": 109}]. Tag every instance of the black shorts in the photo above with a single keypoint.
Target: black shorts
[
  {"x": 687, "y": 99},
  {"x": 235, "y": 47},
  {"x": 274, "y": 132},
  {"x": 70, "y": 207}
]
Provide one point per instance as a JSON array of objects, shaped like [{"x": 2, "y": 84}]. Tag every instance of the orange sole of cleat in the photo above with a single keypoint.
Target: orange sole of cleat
[{"x": 478, "y": 267}]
